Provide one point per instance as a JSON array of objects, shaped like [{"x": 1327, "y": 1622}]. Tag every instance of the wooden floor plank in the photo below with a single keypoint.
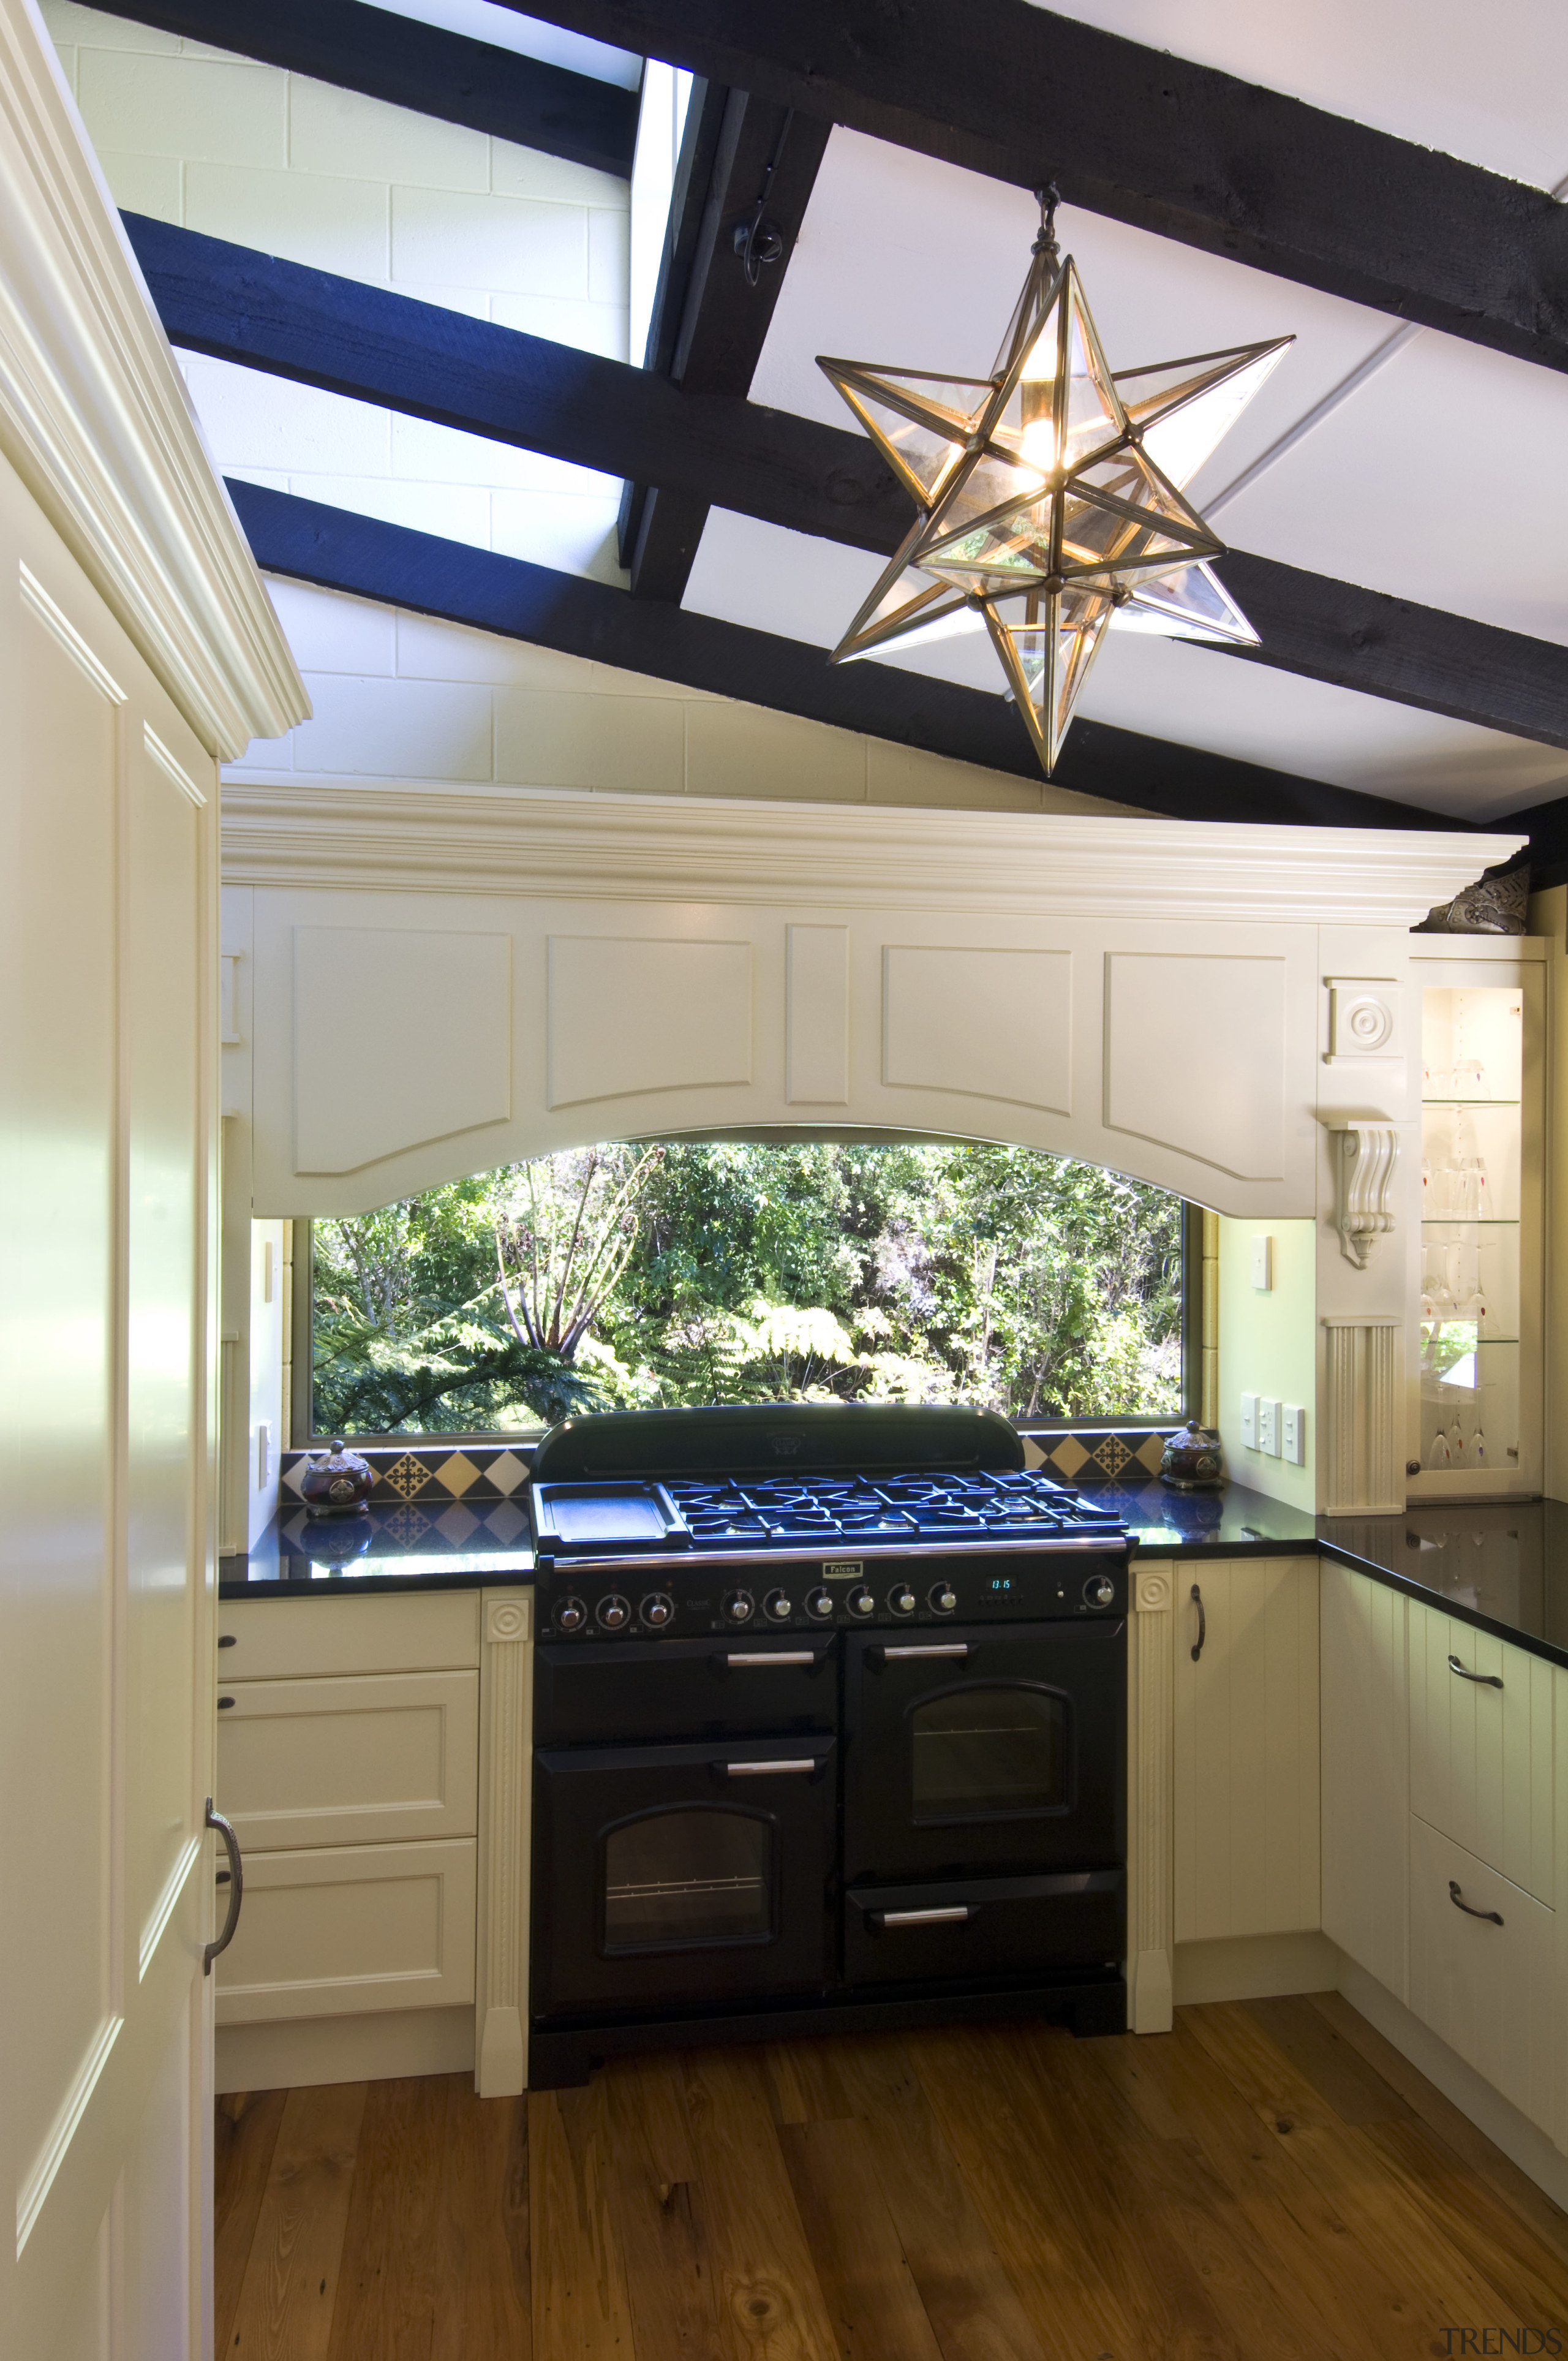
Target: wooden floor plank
[
  {"x": 484, "y": 2313},
  {"x": 868, "y": 2289},
  {"x": 286, "y": 2302},
  {"x": 1337, "y": 2071},
  {"x": 244, "y": 2135},
  {"x": 580, "y": 2307},
  {"x": 806, "y": 2083},
  {"x": 1502, "y": 2250},
  {"x": 387, "y": 2290},
  {"x": 659, "y": 2215},
  {"x": 768, "y": 2301},
  {"x": 1517, "y": 2191},
  {"x": 968, "y": 2298}
]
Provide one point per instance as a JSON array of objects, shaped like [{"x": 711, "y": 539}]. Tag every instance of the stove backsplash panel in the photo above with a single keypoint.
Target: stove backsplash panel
[{"x": 439, "y": 1472}]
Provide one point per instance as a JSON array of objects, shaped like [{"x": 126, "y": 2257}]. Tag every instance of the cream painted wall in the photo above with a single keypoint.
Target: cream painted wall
[
  {"x": 1268, "y": 1345},
  {"x": 217, "y": 143}
]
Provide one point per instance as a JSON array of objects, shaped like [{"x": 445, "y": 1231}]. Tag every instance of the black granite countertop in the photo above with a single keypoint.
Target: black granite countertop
[{"x": 1500, "y": 1566}]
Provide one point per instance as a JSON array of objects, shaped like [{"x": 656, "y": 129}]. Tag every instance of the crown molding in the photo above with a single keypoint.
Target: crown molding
[
  {"x": 417, "y": 837},
  {"x": 95, "y": 420}
]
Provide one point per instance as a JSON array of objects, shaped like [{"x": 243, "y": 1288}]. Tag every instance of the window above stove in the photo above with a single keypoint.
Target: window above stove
[{"x": 686, "y": 1272}]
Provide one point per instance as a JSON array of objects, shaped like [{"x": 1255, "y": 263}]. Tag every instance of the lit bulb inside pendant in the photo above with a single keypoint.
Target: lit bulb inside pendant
[{"x": 1037, "y": 396}]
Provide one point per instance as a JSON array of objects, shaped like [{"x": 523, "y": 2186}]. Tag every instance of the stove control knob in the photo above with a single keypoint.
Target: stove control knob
[
  {"x": 820, "y": 1604},
  {"x": 944, "y": 1599},
  {"x": 860, "y": 1601},
  {"x": 740, "y": 1607},
  {"x": 570, "y": 1615},
  {"x": 901, "y": 1599},
  {"x": 777, "y": 1607},
  {"x": 613, "y": 1613},
  {"x": 1099, "y": 1591},
  {"x": 657, "y": 1609}
]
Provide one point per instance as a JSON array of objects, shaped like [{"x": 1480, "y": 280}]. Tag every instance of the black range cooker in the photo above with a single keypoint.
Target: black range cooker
[{"x": 830, "y": 1730}]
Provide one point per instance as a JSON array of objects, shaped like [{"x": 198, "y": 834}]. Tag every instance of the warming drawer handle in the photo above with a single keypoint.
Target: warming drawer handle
[
  {"x": 236, "y": 1887},
  {"x": 1457, "y": 1898},
  {"x": 1203, "y": 1623},
  {"x": 958, "y": 1915},
  {"x": 780, "y": 1656},
  {"x": 1482, "y": 1681},
  {"x": 794, "y": 1768},
  {"x": 899, "y": 1655}
]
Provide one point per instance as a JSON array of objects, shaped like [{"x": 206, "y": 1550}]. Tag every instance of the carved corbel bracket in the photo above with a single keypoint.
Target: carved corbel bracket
[{"x": 1365, "y": 1155}]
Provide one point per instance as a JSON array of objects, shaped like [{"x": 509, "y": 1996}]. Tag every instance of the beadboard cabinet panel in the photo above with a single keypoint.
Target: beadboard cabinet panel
[
  {"x": 346, "y": 1930},
  {"x": 1487, "y": 1985},
  {"x": 1365, "y": 1773},
  {"x": 284, "y": 1638},
  {"x": 1247, "y": 1810},
  {"x": 1481, "y": 1747},
  {"x": 371, "y": 1758}
]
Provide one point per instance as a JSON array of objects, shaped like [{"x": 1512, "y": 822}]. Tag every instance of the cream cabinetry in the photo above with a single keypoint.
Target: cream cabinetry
[
  {"x": 1481, "y": 1747},
  {"x": 1365, "y": 1773},
  {"x": 348, "y": 1758},
  {"x": 1246, "y": 1712},
  {"x": 1485, "y": 1972}
]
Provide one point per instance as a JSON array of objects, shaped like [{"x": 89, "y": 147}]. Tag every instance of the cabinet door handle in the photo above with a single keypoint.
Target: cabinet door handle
[
  {"x": 1469, "y": 1908},
  {"x": 791, "y": 1770},
  {"x": 236, "y": 1887},
  {"x": 1482, "y": 1680},
  {"x": 902, "y": 1655},
  {"x": 782, "y": 1656},
  {"x": 958, "y": 1914},
  {"x": 1203, "y": 1623},
  {"x": 228, "y": 1640},
  {"x": 224, "y": 1704}
]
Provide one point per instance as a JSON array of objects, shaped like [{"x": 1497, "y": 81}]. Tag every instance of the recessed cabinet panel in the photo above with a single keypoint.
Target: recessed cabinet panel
[
  {"x": 1365, "y": 1724},
  {"x": 1158, "y": 1006},
  {"x": 340, "y": 1931},
  {"x": 272, "y": 1639},
  {"x": 1484, "y": 1970},
  {"x": 630, "y": 1017},
  {"x": 985, "y": 1024},
  {"x": 1481, "y": 1746},
  {"x": 367, "y": 1760}
]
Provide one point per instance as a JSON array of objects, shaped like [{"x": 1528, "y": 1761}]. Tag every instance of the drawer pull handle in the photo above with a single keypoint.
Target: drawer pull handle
[
  {"x": 790, "y": 1770},
  {"x": 236, "y": 1889},
  {"x": 228, "y": 1640},
  {"x": 1469, "y": 1908},
  {"x": 957, "y": 1915},
  {"x": 1482, "y": 1680},
  {"x": 782, "y": 1656},
  {"x": 224, "y": 1704},
  {"x": 902, "y": 1655},
  {"x": 1203, "y": 1623}
]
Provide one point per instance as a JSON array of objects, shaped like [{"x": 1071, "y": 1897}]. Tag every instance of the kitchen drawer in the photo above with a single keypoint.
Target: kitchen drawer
[
  {"x": 349, "y": 1929},
  {"x": 622, "y": 1691},
  {"x": 1481, "y": 1747},
  {"x": 372, "y": 1758},
  {"x": 282, "y": 1639},
  {"x": 1492, "y": 1991},
  {"x": 984, "y": 1926}
]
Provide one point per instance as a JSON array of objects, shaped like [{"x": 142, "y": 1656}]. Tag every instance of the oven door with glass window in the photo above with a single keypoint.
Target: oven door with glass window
[
  {"x": 993, "y": 1748},
  {"x": 668, "y": 1877}
]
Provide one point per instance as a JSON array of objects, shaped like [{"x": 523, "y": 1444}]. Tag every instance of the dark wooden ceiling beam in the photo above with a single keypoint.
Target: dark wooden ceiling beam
[
  {"x": 764, "y": 170},
  {"x": 432, "y": 72},
  {"x": 1023, "y": 96},
  {"x": 362, "y": 555},
  {"x": 431, "y": 363}
]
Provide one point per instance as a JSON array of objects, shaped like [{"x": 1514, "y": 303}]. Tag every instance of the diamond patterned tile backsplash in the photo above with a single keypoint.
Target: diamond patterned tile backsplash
[{"x": 436, "y": 1476}]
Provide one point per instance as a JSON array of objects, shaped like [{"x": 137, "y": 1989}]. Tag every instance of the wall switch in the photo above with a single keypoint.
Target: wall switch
[
  {"x": 1249, "y": 1421},
  {"x": 1293, "y": 1438},
  {"x": 1263, "y": 1262},
  {"x": 1268, "y": 1425}
]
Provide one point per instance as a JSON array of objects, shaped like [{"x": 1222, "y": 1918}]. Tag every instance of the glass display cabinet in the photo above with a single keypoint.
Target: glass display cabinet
[{"x": 1477, "y": 1282}]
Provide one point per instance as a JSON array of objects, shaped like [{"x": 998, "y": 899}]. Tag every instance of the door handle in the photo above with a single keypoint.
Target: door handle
[
  {"x": 792, "y": 1769},
  {"x": 1197, "y": 1597},
  {"x": 1469, "y": 1908},
  {"x": 782, "y": 1656},
  {"x": 1482, "y": 1680},
  {"x": 236, "y": 1887},
  {"x": 900, "y": 1655},
  {"x": 956, "y": 1915}
]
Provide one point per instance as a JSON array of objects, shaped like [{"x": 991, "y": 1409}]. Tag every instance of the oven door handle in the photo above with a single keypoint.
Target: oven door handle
[
  {"x": 880, "y": 1655},
  {"x": 958, "y": 1914},
  {"x": 794, "y": 1766},
  {"x": 756, "y": 1663}
]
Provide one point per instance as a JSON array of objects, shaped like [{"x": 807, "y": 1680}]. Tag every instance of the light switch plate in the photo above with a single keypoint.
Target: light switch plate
[
  {"x": 1249, "y": 1421},
  {"x": 1268, "y": 1425},
  {"x": 1293, "y": 1434},
  {"x": 1263, "y": 1261}
]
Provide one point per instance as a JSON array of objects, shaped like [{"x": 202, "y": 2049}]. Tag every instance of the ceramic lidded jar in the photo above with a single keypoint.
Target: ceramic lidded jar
[
  {"x": 338, "y": 1483},
  {"x": 1192, "y": 1460}
]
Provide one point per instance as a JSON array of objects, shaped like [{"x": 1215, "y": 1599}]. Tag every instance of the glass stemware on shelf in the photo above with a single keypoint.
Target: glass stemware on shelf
[{"x": 1466, "y": 1080}]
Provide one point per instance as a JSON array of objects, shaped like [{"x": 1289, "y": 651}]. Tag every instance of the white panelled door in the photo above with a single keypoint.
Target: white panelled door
[{"x": 108, "y": 808}]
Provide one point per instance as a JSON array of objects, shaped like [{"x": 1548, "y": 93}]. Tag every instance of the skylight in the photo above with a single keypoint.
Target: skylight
[{"x": 503, "y": 29}]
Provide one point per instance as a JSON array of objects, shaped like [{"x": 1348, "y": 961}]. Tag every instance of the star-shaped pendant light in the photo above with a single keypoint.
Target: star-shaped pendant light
[{"x": 1050, "y": 494}]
